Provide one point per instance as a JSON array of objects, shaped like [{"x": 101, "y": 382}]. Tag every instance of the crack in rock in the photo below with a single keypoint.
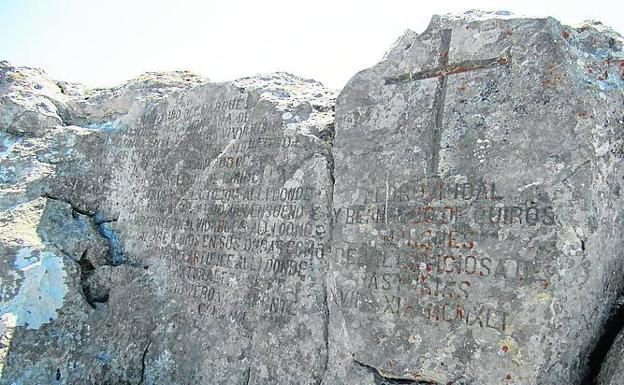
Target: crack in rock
[
  {"x": 103, "y": 225},
  {"x": 247, "y": 375},
  {"x": 329, "y": 158},
  {"x": 383, "y": 379},
  {"x": 93, "y": 268},
  {"x": 143, "y": 364},
  {"x": 575, "y": 170},
  {"x": 610, "y": 331}
]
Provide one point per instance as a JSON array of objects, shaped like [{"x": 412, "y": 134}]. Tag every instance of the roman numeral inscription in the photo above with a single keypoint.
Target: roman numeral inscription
[{"x": 441, "y": 72}]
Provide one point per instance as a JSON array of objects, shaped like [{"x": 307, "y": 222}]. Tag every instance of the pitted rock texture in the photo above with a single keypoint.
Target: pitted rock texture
[
  {"x": 456, "y": 222},
  {"x": 478, "y": 176},
  {"x": 168, "y": 231}
]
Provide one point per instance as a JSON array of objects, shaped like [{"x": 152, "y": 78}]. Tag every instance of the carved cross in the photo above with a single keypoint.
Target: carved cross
[{"x": 441, "y": 72}]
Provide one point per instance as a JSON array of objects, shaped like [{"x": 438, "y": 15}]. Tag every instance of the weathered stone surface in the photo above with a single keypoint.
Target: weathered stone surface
[
  {"x": 185, "y": 226},
  {"x": 177, "y": 231},
  {"x": 478, "y": 204}
]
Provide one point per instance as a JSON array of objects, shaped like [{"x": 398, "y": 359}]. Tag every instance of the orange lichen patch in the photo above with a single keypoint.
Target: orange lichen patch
[{"x": 553, "y": 80}]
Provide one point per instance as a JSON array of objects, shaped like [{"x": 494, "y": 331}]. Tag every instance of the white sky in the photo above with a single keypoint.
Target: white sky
[{"x": 103, "y": 43}]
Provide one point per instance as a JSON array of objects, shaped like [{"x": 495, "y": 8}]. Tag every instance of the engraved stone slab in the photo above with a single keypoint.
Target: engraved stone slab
[
  {"x": 229, "y": 211},
  {"x": 477, "y": 204},
  {"x": 214, "y": 200}
]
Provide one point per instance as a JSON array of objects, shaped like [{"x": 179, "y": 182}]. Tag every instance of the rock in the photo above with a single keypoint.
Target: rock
[
  {"x": 73, "y": 233},
  {"x": 459, "y": 223},
  {"x": 29, "y": 102},
  {"x": 482, "y": 247},
  {"x": 196, "y": 219}
]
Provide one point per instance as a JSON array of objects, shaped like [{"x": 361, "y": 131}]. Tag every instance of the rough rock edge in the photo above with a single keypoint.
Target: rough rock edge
[
  {"x": 85, "y": 266},
  {"x": 611, "y": 366},
  {"x": 409, "y": 36}
]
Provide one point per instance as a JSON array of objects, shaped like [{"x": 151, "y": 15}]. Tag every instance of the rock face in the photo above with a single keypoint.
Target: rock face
[
  {"x": 179, "y": 236},
  {"x": 459, "y": 223},
  {"x": 482, "y": 247}
]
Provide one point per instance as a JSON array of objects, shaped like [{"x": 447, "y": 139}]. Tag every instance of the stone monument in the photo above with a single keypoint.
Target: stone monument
[
  {"x": 482, "y": 246},
  {"x": 453, "y": 216}
]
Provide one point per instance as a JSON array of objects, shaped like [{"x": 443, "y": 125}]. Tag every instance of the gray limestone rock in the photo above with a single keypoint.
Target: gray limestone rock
[
  {"x": 459, "y": 222},
  {"x": 188, "y": 221},
  {"x": 478, "y": 208}
]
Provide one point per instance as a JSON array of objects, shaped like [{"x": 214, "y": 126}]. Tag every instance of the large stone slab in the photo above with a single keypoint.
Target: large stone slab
[
  {"x": 478, "y": 207},
  {"x": 187, "y": 227}
]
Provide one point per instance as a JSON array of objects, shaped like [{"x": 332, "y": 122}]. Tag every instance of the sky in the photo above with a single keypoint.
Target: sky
[{"x": 104, "y": 43}]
